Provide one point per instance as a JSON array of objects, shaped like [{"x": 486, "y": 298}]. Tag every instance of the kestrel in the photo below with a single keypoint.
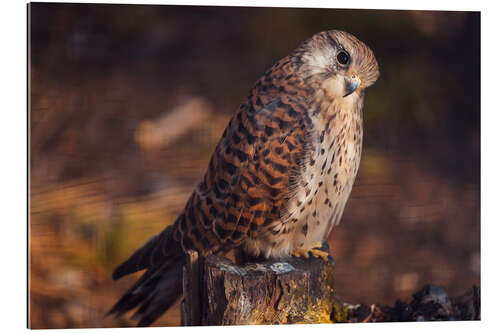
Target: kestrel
[{"x": 280, "y": 176}]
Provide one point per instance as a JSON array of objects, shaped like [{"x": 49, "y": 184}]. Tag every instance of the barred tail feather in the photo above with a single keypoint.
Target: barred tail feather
[{"x": 160, "y": 286}]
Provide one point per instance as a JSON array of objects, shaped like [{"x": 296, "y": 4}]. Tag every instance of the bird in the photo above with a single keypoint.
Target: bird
[{"x": 279, "y": 178}]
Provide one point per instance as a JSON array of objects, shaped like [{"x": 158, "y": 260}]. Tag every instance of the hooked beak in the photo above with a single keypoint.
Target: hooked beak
[{"x": 351, "y": 84}]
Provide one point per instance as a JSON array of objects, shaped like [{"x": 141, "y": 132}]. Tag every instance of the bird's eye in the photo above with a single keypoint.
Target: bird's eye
[{"x": 343, "y": 57}]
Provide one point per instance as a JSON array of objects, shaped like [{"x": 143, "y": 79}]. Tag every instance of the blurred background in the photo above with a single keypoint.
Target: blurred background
[{"x": 127, "y": 103}]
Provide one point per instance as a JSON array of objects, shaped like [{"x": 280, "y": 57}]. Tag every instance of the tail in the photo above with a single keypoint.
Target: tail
[{"x": 160, "y": 286}]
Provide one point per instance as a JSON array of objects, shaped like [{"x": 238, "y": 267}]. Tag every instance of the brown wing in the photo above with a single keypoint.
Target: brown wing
[{"x": 251, "y": 174}]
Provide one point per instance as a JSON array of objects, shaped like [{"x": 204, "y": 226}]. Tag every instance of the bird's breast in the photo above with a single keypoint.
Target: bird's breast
[
  {"x": 321, "y": 190},
  {"x": 327, "y": 179}
]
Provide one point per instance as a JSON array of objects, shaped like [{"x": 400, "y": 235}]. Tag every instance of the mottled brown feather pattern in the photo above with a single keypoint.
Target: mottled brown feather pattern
[
  {"x": 259, "y": 162},
  {"x": 279, "y": 177},
  {"x": 255, "y": 165}
]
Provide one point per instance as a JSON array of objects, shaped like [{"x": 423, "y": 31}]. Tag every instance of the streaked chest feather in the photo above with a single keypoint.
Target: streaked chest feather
[{"x": 321, "y": 190}]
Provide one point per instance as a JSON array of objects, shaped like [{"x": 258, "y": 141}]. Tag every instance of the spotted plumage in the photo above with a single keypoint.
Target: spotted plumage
[{"x": 280, "y": 176}]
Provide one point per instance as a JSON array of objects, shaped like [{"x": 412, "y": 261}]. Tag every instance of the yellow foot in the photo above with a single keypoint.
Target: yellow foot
[{"x": 317, "y": 250}]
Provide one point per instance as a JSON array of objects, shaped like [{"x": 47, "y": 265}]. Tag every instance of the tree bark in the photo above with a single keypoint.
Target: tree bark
[
  {"x": 192, "y": 276},
  {"x": 219, "y": 292},
  {"x": 272, "y": 292}
]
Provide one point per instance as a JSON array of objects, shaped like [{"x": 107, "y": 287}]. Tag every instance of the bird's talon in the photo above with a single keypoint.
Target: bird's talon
[
  {"x": 300, "y": 253},
  {"x": 317, "y": 245},
  {"x": 313, "y": 252}
]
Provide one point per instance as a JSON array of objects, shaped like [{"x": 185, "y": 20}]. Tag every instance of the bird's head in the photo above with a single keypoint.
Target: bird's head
[{"x": 338, "y": 62}]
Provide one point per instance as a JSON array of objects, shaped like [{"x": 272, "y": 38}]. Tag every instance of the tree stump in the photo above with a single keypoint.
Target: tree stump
[{"x": 219, "y": 292}]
